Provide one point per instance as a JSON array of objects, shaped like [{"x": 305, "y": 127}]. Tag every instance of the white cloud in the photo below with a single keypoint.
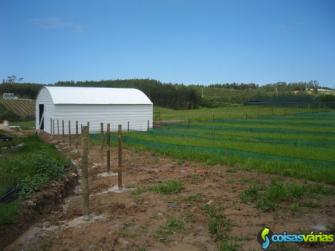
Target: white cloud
[{"x": 52, "y": 23}]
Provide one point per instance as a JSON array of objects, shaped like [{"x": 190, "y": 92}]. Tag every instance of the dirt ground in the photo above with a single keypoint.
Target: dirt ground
[{"x": 130, "y": 220}]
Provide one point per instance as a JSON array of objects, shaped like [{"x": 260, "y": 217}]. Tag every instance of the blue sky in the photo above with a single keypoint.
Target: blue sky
[{"x": 180, "y": 41}]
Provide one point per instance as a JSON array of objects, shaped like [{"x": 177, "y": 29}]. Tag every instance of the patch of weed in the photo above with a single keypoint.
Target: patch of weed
[
  {"x": 171, "y": 226},
  {"x": 194, "y": 198},
  {"x": 269, "y": 197},
  {"x": 168, "y": 187},
  {"x": 228, "y": 245},
  {"x": 218, "y": 224}
]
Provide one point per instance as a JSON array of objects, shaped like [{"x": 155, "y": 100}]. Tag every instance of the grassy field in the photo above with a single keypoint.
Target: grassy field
[
  {"x": 290, "y": 141},
  {"x": 25, "y": 125},
  {"x": 232, "y": 111}
]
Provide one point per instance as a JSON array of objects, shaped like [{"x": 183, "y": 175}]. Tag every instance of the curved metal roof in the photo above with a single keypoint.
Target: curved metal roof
[{"x": 97, "y": 95}]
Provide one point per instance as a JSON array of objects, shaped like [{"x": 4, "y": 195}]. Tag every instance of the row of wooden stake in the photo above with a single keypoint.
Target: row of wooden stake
[{"x": 84, "y": 140}]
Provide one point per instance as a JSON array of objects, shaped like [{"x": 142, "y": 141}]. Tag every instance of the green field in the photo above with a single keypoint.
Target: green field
[
  {"x": 231, "y": 111},
  {"x": 292, "y": 142}
]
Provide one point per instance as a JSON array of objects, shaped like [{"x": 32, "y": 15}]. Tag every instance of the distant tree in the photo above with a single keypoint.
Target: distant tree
[{"x": 11, "y": 79}]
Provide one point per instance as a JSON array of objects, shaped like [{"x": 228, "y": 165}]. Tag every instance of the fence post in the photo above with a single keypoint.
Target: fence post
[
  {"x": 119, "y": 175},
  {"x": 102, "y": 135},
  {"x": 69, "y": 131},
  {"x": 84, "y": 171},
  {"x": 57, "y": 127},
  {"x": 148, "y": 125},
  {"x": 77, "y": 139},
  {"x": 50, "y": 126},
  {"x": 53, "y": 127},
  {"x": 63, "y": 133},
  {"x": 128, "y": 127},
  {"x": 108, "y": 152}
]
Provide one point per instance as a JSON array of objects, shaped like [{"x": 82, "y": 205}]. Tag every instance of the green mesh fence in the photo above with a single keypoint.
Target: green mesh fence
[
  {"x": 252, "y": 129},
  {"x": 213, "y": 136}
]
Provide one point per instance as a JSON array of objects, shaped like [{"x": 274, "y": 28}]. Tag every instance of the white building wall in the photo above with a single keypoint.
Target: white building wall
[
  {"x": 137, "y": 116},
  {"x": 44, "y": 98}
]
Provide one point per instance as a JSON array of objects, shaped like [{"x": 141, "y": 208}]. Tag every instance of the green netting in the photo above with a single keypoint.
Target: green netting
[
  {"x": 226, "y": 152},
  {"x": 252, "y": 129},
  {"x": 210, "y": 135}
]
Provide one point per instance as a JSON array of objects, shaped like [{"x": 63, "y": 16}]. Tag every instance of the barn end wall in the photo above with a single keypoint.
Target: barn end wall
[
  {"x": 44, "y": 97},
  {"x": 136, "y": 115}
]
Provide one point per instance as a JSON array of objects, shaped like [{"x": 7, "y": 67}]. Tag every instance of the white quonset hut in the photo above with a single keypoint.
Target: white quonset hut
[{"x": 128, "y": 107}]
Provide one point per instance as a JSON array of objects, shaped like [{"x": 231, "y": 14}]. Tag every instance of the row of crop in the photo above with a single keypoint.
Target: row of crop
[
  {"x": 23, "y": 108},
  {"x": 292, "y": 166},
  {"x": 310, "y": 153}
]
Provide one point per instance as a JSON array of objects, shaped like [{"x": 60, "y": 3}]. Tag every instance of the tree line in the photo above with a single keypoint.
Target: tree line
[{"x": 180, "y": 96}]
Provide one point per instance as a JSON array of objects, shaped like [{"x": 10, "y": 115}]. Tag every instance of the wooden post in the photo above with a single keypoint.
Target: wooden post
[
  {"x": 102, "y": 135},
  {"x": 77, "y": 139},
  {"x": 148, "y": 125},
  {"x": 69, "y": 131},
  {"x": 57, "y": 127},
  {"x": 63, "y": 133},
  {"x": 53, "y": 127},
  {"x": 119, "y": 175},
  {"x": 128, "y": 127},
  {"x": 50, "y": 126},
  {"x": 84, "y": 172},
  {"x": 81, "y": 128},
  {"x": 108, "y": 135}
]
